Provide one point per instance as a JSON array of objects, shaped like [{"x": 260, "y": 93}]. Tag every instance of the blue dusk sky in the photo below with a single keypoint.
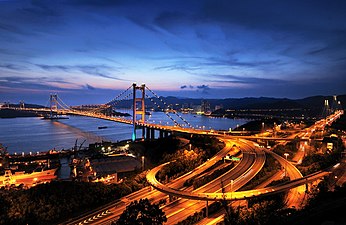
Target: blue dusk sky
[{"x": 88, "y": 51}]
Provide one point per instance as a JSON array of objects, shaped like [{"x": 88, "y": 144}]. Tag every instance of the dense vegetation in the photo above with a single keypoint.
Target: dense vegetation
[
  {"x": 58, "y": 201},
  {"x": 291, "y": 148},
  {"x": 185, "y": 160},
  {"x": 141, "y": 212},
  {"x": 323, "y": 205},
  {"x": 318, "y": 161},
  {"x": 155, "y": 150}
]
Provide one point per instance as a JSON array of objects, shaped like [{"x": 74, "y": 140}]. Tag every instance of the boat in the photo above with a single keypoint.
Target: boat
[
  {"x": 102, "y": 127},
  {"x": 28, "y": 179}
]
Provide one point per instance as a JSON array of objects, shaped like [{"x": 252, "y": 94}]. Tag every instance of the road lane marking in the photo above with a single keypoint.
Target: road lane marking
[
  {"x": 214, "y": 221},
  {"x": 176, "y": 212}
]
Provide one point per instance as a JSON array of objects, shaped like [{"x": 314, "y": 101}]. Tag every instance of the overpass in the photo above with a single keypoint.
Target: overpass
[
  {"x": 148, "y": 131},
  {"x": 231, "y": 196}
]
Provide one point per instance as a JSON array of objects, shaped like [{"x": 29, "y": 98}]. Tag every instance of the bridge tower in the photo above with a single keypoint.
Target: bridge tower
[
  {"x": 53, "y": 105},
  {"x": 21, "y": 104},
  {"x": 326, "y": 109},
  {"x": 336, "y": 105},
  {"x": 138, "y": 108}
]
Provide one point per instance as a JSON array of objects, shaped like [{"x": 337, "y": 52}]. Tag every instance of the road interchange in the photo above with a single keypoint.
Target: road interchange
[{"x": 181, "y": 208}]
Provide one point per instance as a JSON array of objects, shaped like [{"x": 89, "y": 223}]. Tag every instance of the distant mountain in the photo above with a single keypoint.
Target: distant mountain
[
  {"x": 28, "y": 105},
  {"x": 315, "y": 102}
]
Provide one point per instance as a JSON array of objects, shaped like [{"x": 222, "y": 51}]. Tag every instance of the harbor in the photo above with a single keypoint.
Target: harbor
[{"x": 99, "y": 162}]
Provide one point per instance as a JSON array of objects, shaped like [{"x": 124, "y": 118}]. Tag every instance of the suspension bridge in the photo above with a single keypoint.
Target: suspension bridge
[{"x": 134, "y": 98}]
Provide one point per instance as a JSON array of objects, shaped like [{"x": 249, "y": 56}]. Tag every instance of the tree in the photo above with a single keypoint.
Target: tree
[{"x": 142, "y": 212}]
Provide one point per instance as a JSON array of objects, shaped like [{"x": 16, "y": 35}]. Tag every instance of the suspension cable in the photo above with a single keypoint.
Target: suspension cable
[
  {"x": 118, "y": 96},
  {"x": 169, "y": 108}
]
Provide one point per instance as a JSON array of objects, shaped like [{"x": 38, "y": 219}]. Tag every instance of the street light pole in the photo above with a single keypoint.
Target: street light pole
[
  {"x": 231, "y": 187},
  {"x": 286, "y": 154},
  {"x": 143, "y": 162}
]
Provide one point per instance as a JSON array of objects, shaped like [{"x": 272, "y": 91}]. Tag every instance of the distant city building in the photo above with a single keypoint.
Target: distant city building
[
  {"x": 197, "y": 109},
  {"x": 185, "y": 106},
  {"x": 217, "y": 107},
  {"x": 205, "y": 107}
]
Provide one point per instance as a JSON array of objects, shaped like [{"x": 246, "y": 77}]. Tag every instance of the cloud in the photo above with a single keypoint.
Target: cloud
[
  {"x": 55, "y": 67},
  {"x": 241, "y": 79},
  {"x": 39, "y": 9},
  {"x": 95, "y": 70},
  {"x": 98, "y": 3},
  {"x": 194, "y": 65},
  {"x": 30, "y": 83},
  {"x": 144, "y": 24},
  {"x": 89, "y": 87},
  {"x": 169, "y": 20},
  {"x": 182, "y": 66},
  {"x": 203, "y": 88},
  {"x": 12, "y": 66},
  {"x": 187, "y": 86}
]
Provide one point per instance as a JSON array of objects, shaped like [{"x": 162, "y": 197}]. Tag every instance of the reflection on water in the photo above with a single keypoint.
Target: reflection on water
[
  {"x": 74, "y": 130},
  {"x": 33, "y": 134}
]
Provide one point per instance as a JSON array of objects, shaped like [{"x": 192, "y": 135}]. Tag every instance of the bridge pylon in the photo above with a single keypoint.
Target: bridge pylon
[
  {"x": 138, "y": 108},
  {"x": 53, "y": 100},
  {"x": 21, "y": 104},
  {"x": 326, "y": 109}
]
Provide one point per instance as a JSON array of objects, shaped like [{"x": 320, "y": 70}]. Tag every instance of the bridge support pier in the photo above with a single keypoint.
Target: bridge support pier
[
  {"x": 149, "y": 133},
  {"x": 152, "y": 134},
  {"x": 307, "y": 188},
  {"x": 147, "y": 136},
  {"x": 206, "y": 210},
  {"x": 163, "y": 133},
  {"x": 170, "y": 198}
]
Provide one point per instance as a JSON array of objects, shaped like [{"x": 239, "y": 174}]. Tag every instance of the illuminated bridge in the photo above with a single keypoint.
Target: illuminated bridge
[
  {"x": 135, "y": 97},
  {"x": 253, "y": 157}
]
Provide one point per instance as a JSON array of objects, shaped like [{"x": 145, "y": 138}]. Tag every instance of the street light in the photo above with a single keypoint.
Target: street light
[
  {"x": 286, "y": 154},
  {"x": 231, "y": 187},
  {"x": 143, "y": 161}
]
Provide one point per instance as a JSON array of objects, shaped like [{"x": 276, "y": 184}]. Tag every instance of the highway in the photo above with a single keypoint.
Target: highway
[
  {"x": 251, "y": 163},
  {"x": 181, "y": 208},
  {"x": 198, "y": 194},
  {"x": 112, "y": 211}
]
